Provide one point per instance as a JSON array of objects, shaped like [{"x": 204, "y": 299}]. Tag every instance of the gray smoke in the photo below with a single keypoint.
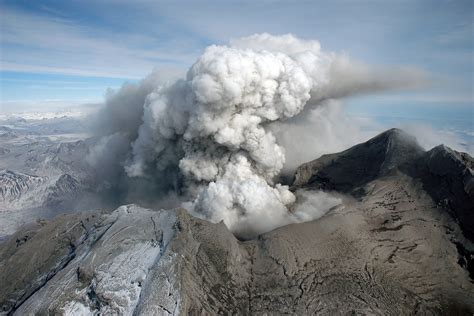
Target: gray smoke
[
  {"x": 116, "y": 127},
  {"x": 210, "y": 137}
]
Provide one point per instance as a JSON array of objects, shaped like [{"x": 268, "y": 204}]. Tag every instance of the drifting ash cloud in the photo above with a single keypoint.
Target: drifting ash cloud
[{"x": 210, "y": 137}]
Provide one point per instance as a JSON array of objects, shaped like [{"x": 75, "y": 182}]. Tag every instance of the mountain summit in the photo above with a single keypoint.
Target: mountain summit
[
  {"x": 445, "y": 174},
  {"x": 360, "y": 164}
]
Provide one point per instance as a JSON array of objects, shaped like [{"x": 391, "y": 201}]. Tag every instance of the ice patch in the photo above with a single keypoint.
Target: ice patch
[{"x": 77, "y": 309}]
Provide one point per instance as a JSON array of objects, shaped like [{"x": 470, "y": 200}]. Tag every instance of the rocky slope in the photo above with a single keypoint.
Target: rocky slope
[{"x": 398, "y": 244}]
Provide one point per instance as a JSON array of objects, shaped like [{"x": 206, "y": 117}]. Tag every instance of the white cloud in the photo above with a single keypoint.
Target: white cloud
[{"x": 36, "y": 43}]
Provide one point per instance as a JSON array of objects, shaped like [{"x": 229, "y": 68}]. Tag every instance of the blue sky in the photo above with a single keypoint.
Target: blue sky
[{"x": 60, "y": 53}]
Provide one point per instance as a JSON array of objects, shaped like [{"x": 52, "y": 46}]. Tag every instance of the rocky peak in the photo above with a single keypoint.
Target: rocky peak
[
  {"x": 66, "y": 183},
  {"x": 448, "y": 177},
  {"x": 360, "y": 164}
]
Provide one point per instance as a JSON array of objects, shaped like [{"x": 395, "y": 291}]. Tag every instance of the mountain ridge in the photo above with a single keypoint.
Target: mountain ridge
[{"x": 438, "y": 170}]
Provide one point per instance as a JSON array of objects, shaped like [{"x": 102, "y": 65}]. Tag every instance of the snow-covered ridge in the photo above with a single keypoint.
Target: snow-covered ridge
[
  {"x": 13, "y": 185},
  {"x": 98, "y": 263},
  {"x": 20, "y": 190},
  {"x": 41, "y": 115}
]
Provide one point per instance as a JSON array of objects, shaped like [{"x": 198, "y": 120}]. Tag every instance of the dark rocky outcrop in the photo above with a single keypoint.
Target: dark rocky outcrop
[
  {"x": 448, "y": 176},
  {"x": 66, "y": 188},
  {"x": 347, "y": 171}
]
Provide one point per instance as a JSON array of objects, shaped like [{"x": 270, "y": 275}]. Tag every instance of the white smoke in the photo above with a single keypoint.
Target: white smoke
[
  {"x": 313, "y": 205},
  {"x": 215, "y": 126}
]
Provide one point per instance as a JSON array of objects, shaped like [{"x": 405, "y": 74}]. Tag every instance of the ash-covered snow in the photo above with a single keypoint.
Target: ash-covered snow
[
  {"x": 111, "y": 263},
  {"x": 76, "y": 309},
  {"x": 119, "y": 280}
]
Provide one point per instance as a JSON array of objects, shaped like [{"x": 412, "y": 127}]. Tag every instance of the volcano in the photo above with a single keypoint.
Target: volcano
[{"x": 401, "y": 242}]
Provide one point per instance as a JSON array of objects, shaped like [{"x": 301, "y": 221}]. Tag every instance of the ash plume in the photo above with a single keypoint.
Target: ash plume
[{"x": 210, "y": 137}]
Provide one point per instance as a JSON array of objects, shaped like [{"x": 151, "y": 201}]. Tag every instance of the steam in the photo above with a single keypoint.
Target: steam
[{"x": 211, "y": 136}]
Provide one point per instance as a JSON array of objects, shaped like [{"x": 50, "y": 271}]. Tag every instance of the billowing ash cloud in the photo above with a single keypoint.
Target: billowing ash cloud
[
  {"x": 339, "y": 75},
  {"x": 209, "y": 135}
]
